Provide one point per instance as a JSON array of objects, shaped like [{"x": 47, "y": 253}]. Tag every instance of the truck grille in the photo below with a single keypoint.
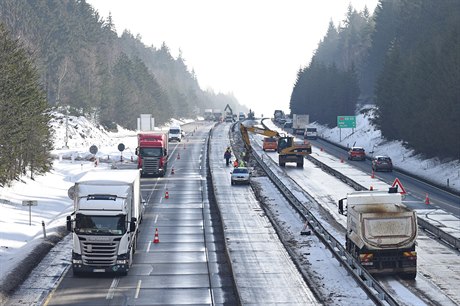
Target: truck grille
[
  {"x": 151, "y": 165},
  {"x": 99, "y": 253}
]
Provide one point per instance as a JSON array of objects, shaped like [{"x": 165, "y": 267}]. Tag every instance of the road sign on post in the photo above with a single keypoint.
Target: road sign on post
[
  {"x": 30, "y": 204},
  {"x": 346, "y": 122}
]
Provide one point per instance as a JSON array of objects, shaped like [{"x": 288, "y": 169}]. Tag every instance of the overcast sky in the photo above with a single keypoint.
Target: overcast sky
[{"x": 251, "y": 48}]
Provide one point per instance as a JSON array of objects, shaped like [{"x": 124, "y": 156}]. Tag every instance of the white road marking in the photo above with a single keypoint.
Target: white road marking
[
  {"x": 138, "y": 288},
  {"x": 112, "y": 289},
  {"x": 148, "y": 247}
]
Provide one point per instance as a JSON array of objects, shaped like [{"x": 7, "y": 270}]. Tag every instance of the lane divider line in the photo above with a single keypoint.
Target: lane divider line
[
  {"x": 138, "y": 288},
  {"x": 148, "y": 247},
  {"x": 112, "y": 289}
]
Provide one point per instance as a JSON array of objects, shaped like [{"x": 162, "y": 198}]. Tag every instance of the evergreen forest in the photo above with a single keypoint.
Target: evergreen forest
[
  {"x": 404, "y": 59},
  {"x": 61, "y": 55}
]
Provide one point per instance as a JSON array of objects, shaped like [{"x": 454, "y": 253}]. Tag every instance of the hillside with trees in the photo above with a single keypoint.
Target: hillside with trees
[
  {"x": 405, "y": 60},
  {"x": 61, "y": 55},
  {"x": 85, "y": 67},
  {"x": 25, "y": 137}
]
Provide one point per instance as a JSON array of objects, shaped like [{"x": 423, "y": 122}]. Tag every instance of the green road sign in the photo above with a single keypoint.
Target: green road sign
[{"x": 346, "y": 122}]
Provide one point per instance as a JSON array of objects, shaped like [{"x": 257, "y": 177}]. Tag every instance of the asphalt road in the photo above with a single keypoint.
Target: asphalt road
[{"x": 188, "y": 266}]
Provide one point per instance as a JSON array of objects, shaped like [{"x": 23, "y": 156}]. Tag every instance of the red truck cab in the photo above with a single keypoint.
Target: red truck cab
[{"x": 152, "y": 152}]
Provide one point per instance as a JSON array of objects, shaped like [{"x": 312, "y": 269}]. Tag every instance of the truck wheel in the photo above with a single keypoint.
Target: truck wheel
[{"x": 300, "y": 165}]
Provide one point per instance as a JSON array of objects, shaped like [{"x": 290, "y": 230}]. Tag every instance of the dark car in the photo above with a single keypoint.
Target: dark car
[
  {"x": 382, "y": 163},
  {"x": 356, "y": 153}
]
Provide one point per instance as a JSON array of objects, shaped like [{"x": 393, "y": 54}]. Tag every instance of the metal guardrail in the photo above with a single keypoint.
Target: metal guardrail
[
  {"x": 372, "y": 288},
  {"x": 439, "y": 233}
]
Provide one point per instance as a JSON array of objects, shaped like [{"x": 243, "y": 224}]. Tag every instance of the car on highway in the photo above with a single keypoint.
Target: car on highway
[
  {"x": 269, "y": 144},
  {"x": 382, "y": 163},
  {"x": 356, "y": 153},
  {"x": 240, "y": 175}
]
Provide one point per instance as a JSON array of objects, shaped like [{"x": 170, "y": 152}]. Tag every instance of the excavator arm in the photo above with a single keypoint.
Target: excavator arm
[{"x": 257, "y": 130}]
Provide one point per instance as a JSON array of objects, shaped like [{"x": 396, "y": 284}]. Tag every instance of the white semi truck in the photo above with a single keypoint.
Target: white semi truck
[
  {"x": 299, "y": 123},
  {"x": 108, "y": 208},
  {"x": 381, "y": 232}
]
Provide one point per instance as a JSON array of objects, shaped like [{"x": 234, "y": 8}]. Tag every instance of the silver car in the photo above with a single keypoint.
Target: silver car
[
  {"x": 240, "y": 175},
  {"x": 382, "y": 163}
]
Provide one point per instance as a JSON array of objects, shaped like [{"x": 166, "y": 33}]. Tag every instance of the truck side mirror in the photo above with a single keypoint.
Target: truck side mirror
[
  {"x": 69, "y": 224},
  {"x": 136, "y": 151},
  {"x": 341, "y": 206},
  {"x": 132, "y": 224}
]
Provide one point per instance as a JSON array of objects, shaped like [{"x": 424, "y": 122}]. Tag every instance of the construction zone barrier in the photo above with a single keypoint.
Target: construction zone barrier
[{"x": 156, "y": 239}]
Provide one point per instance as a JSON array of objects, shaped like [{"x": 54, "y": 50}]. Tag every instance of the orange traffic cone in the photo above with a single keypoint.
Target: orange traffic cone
[
  {"x": 427, "y": 199},
  {"x": 372, "y": 175},
  {"x": 371, "y": 188},
  {"x": 178, "y": 155},
  {"x": 322, "y": 149},
  {"x": 172, "y": 170},
  {"x": 156, "y": 239},
  {"x": 166, "y": 195},
  {"x": 341, "y": 159}
]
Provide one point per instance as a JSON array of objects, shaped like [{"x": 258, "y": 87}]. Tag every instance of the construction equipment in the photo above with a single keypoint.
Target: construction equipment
[
  {"x": 228, "y": 113},
  {"x": 289, "y": 150}
]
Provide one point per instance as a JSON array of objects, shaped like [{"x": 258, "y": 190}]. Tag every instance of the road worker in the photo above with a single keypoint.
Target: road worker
[{"x": 227, "y": 156}]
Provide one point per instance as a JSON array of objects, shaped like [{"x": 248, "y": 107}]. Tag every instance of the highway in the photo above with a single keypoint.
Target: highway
[
  {"x": 188, "y": 266},
  {"x": 216, "y": 245}
]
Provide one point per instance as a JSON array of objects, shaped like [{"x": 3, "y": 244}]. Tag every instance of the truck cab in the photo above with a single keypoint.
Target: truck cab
[
  {"x": 104, "y": 223},
  {"x": 152, "y": 152}
]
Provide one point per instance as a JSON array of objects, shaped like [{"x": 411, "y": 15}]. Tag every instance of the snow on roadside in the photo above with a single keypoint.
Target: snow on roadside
[{"x": 365, "y": 135}]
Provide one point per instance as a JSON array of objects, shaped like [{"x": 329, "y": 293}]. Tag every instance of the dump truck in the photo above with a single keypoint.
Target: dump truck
[
  {"x": 105, "y": 221},
  {"x": 381, "y": 232}
]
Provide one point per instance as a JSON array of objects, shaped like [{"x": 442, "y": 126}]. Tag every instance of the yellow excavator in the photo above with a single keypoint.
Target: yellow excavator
[{"x": 288, "y": 149}]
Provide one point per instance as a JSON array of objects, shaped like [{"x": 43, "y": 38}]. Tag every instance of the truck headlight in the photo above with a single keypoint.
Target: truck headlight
[
  {"x": 122, "y": 259},
  {"x": 76, "y": 258}
]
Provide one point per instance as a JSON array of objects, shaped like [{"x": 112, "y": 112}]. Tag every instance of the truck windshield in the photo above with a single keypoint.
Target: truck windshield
[
  {"x": 151, "y": 152},
  {"x": 174, "y": 131},
  {"x": 96, "y": 225}
]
